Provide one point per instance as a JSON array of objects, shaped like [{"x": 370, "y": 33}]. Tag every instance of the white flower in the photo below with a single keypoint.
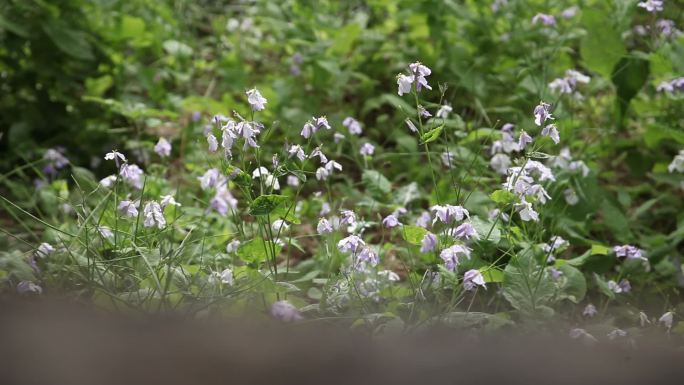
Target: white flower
[
  {"x": 443, "y": 111},
  {"x": 227, "y": 277},
  {"x": 317, "y": 152},
  {"x": 163, "y": 148},
  {"x": 412, "y": 127},
  {"x": 232, "y": 246},
  {"x": 279, "y": 225},
  {"x": 652, "y": 6},
  {"x": 292, "y": 181},
  {"x": 44, "y": 250},
  {"x": 589, "y": 311},
  {"x": 115, "y": 154},
  {"x": 107, "y": 182},
  {"x": 526, "y": 212},
  {"x": 389, "y": 275},
  {"x": 212, "y": 143},
  {"x": 296, "y": 150},
  {"x": 105, "y": 232},
  {"x": 256, "y": 101},
  {"x": 667, "y": 319},
  {"x": 390, "y": 221},
  {"x": 285, "y": 311},
  {"x": 128, "y": 208},
  {"x": 153, "y": 215},
  {"x": 465, "y": 231},
  {"x": 677, "y": 163},
  {"x": 405, "y": 83},
  {"x": 168, "y": 200}
]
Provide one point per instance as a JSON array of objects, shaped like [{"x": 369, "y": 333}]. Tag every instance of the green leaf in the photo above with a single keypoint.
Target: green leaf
[
  {"x": 484, "y": 227},
  {"x": 503, "y": 197},
  {"x": 414, "y": 234},
  {"x": 257, "y": 250},
  {"x": 432, "y": 135},
  {"x": 266, "y": 204},
  {"x": 616, "y": 222},
  {"x": 238, "y": 176},
  {"x": 71, "y": 42},
  {"x": 527, "y": 287},
  {"x": 599, "y": 250},
  {"x": 629, "y": 76},
  {"x": 602, "y": 46},
  {"x": 376, "y": 183},
  {"x": 573, "y": 285},
  {"x": 492, "y": 274}
]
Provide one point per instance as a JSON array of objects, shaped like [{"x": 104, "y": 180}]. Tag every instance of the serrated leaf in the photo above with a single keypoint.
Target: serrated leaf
[
  {"x": 602, "y": 46},
  {"x": 573, "y": 285},
  {"x": 525, "y": 289},
  {"x": 492, "y": 274},
  {"x": 485, "y": 228}
]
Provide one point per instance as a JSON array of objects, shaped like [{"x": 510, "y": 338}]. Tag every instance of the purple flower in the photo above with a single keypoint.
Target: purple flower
[
  {"x": 55, "y": 159},
  {"x": 366, "y": 256},
  {"x": 44, "y": 250},
  {"x": 419, "y": 72},
  {"x": 569, "y": 13},
  {"x": 473, "y": 278},
  {"x": 629, "y": 252},
  {"x": 233, "y": 246},
  {"x": 132, "y": 174},
  {"x": 367, "y": 149},
  {"x": 163, "y": 148},
  {"x": 652, "y": 6},
  {"x": 423, "y": 220},
  {"x": 128, "y": 208},
  {"x": 348, "y": 217},
  {"x": 390, "y": 221},
  {"x": 544, "y": 19},
  {"x": 223, "y": 201},
  {"x": 350, "y": 244},
  {"x": 590, "y": 311},
  {"x": 542, "y": 113},
  {"x": 352, "y": 125},
  {"x": 552, "y": 132},
  {"x": 292, "y": 181},
  {"x": 28, "y": 287},
  {"x": 428, "y": 243},
  {"x": 285, "y": 311},
  {"x": 210, "y": 179},
  {"x": 524, "y": 140},
  {"x": 451, "y": 256},
  {"x": 255, "y": 100},
  {"x": 324, "y": 227},
  {"x": 448, "y": 213},
  {"x": 227, "y": 277},
  {"x": 465, "y": 231},
  {"x": 555, "y": 273},
  {"x": 296, "y": 150}
]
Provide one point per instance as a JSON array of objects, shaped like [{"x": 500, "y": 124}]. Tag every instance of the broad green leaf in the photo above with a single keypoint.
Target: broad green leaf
[
  {"x": 266, "y": 204},
  {"x": 616, "y": 222},
  {"x": 573, "y": 285},
  {"x": 257, "y": 250},
  {"x": 492, "y": 274},
  {"x": 72, "y": 42},
  {"x": 414, "y": 234},
  {"x": 486, "y": 229},
  {"x": 407, "y": 194},
  {"x": 602, "y": 46},
  {"x": 629, "y": 76},
  {"x": 528, "y": 287},
  {"x": 376, "y": 183},
  {"x": 503, "y": 197}
]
